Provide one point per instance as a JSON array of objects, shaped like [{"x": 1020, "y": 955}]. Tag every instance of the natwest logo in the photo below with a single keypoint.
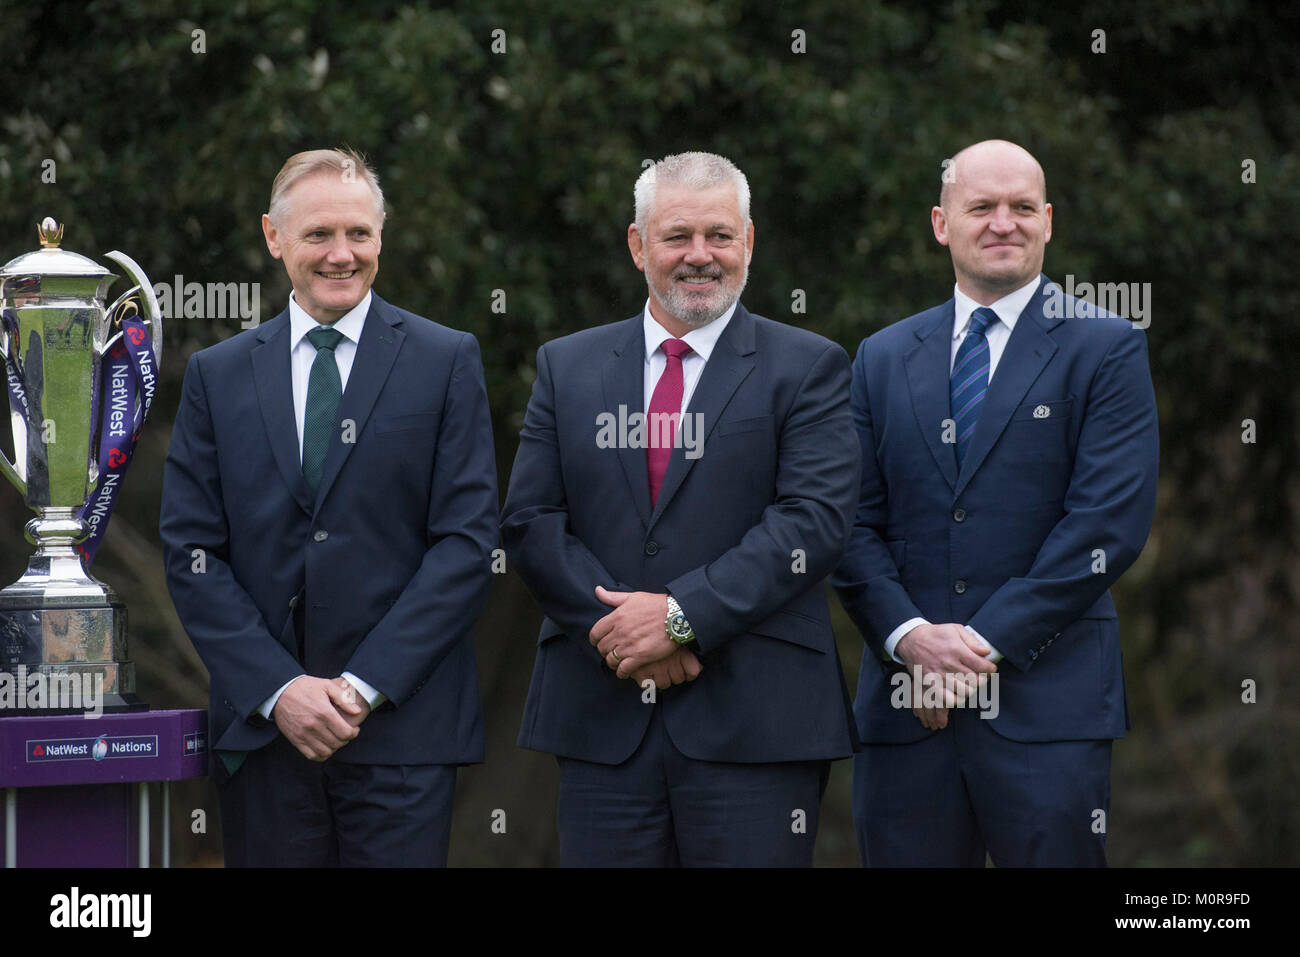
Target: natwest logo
[
  {"x": 68, "y": 749},
  {"x": 97, "y": 749}
]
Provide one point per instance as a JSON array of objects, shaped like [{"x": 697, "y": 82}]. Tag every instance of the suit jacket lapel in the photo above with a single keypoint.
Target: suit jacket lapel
[
  {"x": 1028, "y": 351},
  {"x": 624, "y": 386},
  {"x": 730, "y": 362},
  {"x": 273, "y": 381},
  {"x": 381, "y": 338},
  {"x": 927, "y": 378}
]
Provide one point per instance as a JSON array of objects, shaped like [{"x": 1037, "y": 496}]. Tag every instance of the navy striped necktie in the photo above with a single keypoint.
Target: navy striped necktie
[{"x": 970, "y": 378}]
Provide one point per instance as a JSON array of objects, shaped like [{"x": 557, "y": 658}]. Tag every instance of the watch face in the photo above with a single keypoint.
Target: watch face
[{"x": 678, "y": 627}]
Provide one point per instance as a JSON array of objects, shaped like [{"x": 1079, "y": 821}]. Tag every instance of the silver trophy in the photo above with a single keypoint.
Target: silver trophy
[{"x": 59, "y": 626}]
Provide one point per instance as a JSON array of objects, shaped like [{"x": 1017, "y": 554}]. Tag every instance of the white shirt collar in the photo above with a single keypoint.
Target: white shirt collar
[
  {"x": 351, "y": 323},
  {"x": 1008, "y": 308},
  {"x": 701, "y": 340}
]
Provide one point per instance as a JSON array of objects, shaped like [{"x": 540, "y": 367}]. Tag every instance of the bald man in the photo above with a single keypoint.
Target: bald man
[{"x": 1009, "y": 457}]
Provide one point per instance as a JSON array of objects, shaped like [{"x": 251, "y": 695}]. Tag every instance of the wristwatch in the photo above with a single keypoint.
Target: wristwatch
[{"x": 678, "y": 628}]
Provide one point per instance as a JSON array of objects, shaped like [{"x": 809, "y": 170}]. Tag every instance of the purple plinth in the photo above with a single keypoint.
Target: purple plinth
[{"x": 76, "y": 806}]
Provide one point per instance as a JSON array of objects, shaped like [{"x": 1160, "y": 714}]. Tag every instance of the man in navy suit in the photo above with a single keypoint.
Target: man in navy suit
[
  {"x": 685, "y": 480},
  {"x": 329, "y": 510},
  {"x": 1009, "y": 477}
]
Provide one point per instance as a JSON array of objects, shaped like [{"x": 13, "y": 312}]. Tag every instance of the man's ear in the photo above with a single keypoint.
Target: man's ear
[
  {"x": 1047, "y": 233},
  {"x": 749, "y": 243},
  {"x": 939, "y": 223},
  {"x": 635, "y": 246},
  {"x": 272, "y": 236}
]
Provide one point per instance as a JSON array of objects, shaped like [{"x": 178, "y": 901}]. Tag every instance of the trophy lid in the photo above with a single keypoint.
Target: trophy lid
[{"x": 50, "y": 260}]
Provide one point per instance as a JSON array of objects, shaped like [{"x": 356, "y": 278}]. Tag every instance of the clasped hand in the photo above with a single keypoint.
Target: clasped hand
[
  {"x": 954, "y": 653},
  {"x": 634, "y": 643},
  {"x": 319, "y": 715}
]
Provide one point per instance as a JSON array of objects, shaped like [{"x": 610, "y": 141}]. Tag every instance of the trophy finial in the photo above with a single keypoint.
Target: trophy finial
[{"x": 50, "y": 233}]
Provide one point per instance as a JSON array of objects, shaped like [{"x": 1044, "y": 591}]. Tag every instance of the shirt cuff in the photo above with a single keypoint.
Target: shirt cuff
[
  {"x": 374, "y": 697},
  {"x": 269, "y": 704},
  {"x": 897, "y": 634},
  {"x": 995, "y": 656}
]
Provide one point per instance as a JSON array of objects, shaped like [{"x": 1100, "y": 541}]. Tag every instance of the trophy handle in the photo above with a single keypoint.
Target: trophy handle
[
  {"x": 8, "y": 468},
  {"x": 151, "y": 312},
  {"x": 11, "y": 473}
]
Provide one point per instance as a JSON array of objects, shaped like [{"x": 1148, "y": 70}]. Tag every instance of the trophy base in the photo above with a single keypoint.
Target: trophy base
[
  {"x": 110, "y": 703},
  {"x": 62, "y": 632},
  {"x": 60, "y": 661}
]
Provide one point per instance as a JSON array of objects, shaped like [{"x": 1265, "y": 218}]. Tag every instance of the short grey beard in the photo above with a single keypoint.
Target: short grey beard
[{"x": 698, "y": 318}]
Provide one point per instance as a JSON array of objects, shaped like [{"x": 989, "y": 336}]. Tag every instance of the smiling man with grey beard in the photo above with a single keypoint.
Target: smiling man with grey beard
[
  {"x": 693, "y": 287},
  {"x": 699, "y": 576}
]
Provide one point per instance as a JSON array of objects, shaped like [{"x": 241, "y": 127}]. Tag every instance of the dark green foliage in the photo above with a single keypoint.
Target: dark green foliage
[{"x": 514, "y": 171}]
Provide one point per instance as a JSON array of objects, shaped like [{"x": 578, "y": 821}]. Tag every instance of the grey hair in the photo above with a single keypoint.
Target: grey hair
[
  {"x": 345, "y": 161},
  {"x": 694, "y": 171}
]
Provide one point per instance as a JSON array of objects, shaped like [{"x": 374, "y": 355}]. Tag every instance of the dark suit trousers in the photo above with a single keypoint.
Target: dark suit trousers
[
  {"x": 945, "y": 800},
  {"x": 660, "y": 808},
  {"x": 282, "y": 810}
]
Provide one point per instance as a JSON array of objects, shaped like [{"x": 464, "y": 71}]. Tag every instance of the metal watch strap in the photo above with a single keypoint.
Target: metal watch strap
[{"x": 675, "y": 612}]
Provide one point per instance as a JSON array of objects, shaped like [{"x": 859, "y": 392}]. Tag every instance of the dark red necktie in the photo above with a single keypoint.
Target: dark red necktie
[{"x": 661, "y": 432}]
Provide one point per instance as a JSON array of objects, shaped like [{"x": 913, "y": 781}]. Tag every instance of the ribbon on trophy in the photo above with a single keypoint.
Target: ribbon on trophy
[
  {"x": 18, "y": 402},
  {"x": 13, "y": 372},
  {"x": 13, "y": 368},
  {"x": 128, "y": 383}
]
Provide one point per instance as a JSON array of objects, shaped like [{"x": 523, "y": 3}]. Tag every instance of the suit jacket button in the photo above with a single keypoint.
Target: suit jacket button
[
  {"x": 652, "y": 548},
  {"x": 959, "y": 586},
  {"x": 320, "y": 535},
  {"x": 959, "y": 515}
]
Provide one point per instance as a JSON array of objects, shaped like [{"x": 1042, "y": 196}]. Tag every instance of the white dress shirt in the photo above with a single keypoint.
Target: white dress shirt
[
  {"x": 701, "y": 341},
  {"x": 1008, "y": 308},
  {"x": 302, "y": 353},
  {"x": 301, "y": 356}
]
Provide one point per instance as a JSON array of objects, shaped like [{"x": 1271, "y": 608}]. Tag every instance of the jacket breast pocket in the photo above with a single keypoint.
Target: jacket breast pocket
[
  {"x": 1035, "y": 448},
  {"x": 758, "y": 423},
  {"x": 406, "y": 422},
  {"x": 1046, "y": 413},
  {"x": 742, "y": 452}
]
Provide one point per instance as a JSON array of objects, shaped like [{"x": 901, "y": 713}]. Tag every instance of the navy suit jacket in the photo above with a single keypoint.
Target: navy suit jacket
[
  {"x": 742, "y": 536},
  {"x": 1052, "y": 503},
  {"x": 388, "y": 568}
]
